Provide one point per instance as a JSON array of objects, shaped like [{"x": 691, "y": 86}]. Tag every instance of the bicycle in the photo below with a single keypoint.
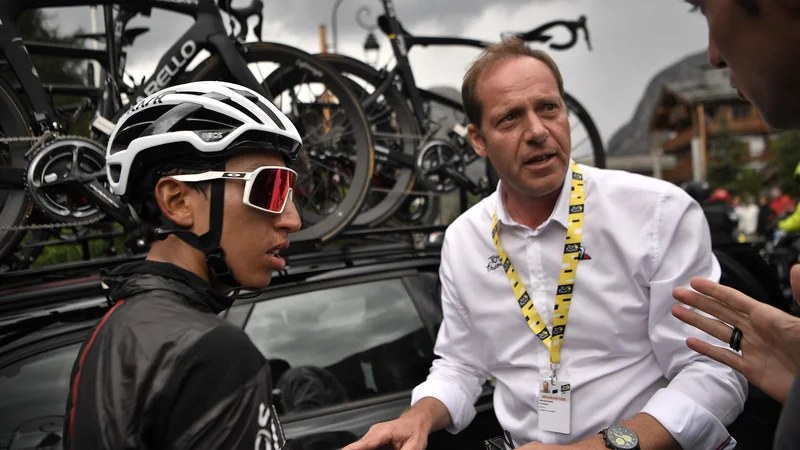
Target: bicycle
[
  {"x": 407, "y": 148},
  {"x": 62, "y": 176}
]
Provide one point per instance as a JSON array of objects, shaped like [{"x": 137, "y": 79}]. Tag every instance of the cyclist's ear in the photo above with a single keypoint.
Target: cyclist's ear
[
  {"x": 478, "y": 141},
  {"x": 180, "y": 203}
]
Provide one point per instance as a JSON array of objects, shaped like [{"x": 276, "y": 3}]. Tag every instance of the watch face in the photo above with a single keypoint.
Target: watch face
[{"x": 622, "y": 438}]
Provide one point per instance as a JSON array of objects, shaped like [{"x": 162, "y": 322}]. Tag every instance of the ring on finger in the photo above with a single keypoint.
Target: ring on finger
[{"x": 736, "y": 339}]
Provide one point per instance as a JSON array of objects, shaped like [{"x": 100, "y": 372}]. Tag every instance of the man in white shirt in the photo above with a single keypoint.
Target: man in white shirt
[{"x": 606, "y": 248}]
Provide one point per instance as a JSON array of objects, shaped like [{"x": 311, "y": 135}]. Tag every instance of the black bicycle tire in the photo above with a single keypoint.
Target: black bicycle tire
[
  {"x": 591, "y": 129},
  {"x": 17, "y": 208},
  {"x": 386, "y": 208},
  {"x": 346, "y": 212}
]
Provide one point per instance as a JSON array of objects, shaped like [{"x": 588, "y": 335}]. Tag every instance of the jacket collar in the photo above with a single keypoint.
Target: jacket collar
[{"x": 143, "y": 276}]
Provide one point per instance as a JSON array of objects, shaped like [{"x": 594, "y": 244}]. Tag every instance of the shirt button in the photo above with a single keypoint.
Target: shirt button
[{"x": 537, "y": 285}]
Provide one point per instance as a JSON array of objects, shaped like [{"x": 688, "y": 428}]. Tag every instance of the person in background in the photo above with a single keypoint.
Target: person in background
[
  {"x": 765, "y": 216},
  {"x": 722, "y": 219},
  {"x": 781, "y": 203},
  {"x": 747, "y": 212}
]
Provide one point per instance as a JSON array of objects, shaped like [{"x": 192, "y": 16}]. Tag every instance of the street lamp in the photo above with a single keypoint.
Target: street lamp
[
  {"x": 364, "y": 10},
  {"x": 371, "y": 50}
]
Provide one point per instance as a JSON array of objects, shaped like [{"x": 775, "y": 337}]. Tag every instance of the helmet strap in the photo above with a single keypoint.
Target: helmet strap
[{"x": 209, "y": 242}]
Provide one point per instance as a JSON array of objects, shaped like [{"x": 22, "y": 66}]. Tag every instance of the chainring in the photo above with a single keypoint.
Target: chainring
[
  {"x": 49, "y": 173},
  {"x": 431, "y": 159}
]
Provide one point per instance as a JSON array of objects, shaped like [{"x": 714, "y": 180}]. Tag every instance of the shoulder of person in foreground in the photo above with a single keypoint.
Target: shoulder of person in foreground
[{"x": 222, "y": 394}]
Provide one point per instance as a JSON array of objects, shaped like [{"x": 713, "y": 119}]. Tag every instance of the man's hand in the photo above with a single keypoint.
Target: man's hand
[
  {"x": 404, "y": 433},
  {"x": 770, "y": 343},
  {"x": 409, "y": 432}
]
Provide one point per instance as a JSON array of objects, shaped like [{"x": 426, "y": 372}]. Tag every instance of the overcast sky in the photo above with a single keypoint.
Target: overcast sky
[{"x": 631, "y": 41}]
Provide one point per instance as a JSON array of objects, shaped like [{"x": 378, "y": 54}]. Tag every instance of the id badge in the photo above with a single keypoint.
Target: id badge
[{"x": 554, "y": 406}]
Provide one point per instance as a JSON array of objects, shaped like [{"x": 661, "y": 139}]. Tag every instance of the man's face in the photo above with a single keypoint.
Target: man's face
[
  {"x": 761, "y": 50},
  {"x": 249, "y": 235},
  {"x": 524, "y": 127}
]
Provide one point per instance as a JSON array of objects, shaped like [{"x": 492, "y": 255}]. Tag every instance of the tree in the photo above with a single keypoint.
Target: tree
[{"x": 726, "y": 158}]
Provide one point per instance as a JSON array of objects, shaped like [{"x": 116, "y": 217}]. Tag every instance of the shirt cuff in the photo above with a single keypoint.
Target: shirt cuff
[
  {"x": 457, "y": 402},
  {"x": 689, "y": 423}
]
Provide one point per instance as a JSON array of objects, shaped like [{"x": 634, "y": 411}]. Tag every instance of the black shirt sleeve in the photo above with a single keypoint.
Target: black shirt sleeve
[
  {"x": 222, "y": 395},
  {"x": 787, "y": 435}
]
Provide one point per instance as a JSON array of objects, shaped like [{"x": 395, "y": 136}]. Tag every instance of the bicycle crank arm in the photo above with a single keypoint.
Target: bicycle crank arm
[
  {"x": 108, "y": 202},
  {"x": 462, "y": 180},
  {"x": 12, "y": 177}
]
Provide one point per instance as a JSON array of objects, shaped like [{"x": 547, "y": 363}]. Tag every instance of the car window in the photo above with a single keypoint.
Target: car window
[
  {"x": 34, "y": 393},
  {"x": 342, "y": 344}
]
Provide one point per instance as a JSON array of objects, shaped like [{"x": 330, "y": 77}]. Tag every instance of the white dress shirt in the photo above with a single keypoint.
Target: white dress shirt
[{"x": 623, "y": 352}]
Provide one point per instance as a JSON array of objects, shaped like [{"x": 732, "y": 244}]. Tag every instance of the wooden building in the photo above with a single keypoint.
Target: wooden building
[{"x": 690, "y": 112}]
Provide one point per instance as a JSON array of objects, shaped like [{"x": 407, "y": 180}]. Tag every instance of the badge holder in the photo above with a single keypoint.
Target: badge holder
[{"x": 554, "y": 404}]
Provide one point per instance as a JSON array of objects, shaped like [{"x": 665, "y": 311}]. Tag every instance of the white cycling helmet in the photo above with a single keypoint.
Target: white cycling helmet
[{"x": 203, "y": 119}]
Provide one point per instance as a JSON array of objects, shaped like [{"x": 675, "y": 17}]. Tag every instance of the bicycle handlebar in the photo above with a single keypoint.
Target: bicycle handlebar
[
  {"x": 255, "y": 8},
  {"x": 538, "y": 34}
]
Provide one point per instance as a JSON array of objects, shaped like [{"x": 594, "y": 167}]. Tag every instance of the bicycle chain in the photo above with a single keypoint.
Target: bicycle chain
[{"x": 46, "y": 226}]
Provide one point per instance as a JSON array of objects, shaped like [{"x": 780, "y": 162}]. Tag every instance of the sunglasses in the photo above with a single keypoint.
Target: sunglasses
[{"x": 267, "y": 188}]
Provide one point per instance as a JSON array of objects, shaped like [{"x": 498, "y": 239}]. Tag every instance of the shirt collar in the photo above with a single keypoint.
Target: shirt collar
[{"x": 560, "y": 213}]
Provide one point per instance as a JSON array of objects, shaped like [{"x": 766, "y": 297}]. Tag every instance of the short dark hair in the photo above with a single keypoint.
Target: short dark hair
[
  {"x": 146, "y": 205},
  {"x": 503, "y": 50}
]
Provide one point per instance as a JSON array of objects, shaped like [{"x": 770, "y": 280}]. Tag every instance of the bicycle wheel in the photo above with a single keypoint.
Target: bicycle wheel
[
  {"x": 587, "y": 146},
  {"x": 393, "y": 128},
  {"x": 15, "y": 208},
  {"x": 337, "y": 160}
]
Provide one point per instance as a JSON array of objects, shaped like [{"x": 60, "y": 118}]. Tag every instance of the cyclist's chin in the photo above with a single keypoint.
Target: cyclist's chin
[{"x": 255, "y": 279}]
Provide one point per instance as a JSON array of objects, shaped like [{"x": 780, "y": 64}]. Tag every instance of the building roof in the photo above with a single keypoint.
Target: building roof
[{"x": 712, "y": 86}]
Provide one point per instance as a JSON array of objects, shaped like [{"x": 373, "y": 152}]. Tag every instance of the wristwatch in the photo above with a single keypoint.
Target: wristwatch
[{"x": 620, "y": 437}]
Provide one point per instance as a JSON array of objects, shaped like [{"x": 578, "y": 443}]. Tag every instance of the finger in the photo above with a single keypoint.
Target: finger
[
  {"x": 713, "y": 327},
  {"x": 794, "y": 275},
  {"x": 709, "y": 305},
  {"x": 718, "y": 354},
  {"x": 369, "y": 441},
  {"x": 725, "y": 295}
]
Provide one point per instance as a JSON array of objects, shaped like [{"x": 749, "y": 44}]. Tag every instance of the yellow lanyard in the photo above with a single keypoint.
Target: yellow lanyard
[{"x": 566, "y": 279}]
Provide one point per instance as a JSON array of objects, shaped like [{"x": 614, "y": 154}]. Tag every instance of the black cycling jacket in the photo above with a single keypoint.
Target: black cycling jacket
[{"x": 162, "y": 371}]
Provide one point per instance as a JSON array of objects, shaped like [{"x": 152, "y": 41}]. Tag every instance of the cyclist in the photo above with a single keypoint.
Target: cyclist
[{"x": 204, "y": 165}]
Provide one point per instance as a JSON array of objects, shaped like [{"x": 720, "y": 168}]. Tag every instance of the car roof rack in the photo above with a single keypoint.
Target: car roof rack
[{"x": 303, "y": 259}]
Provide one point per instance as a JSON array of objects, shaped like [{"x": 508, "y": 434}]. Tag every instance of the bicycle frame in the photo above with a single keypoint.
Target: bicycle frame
[
  {"x": 208, "y": 32},
  {"x": 403, "y": 42}
]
